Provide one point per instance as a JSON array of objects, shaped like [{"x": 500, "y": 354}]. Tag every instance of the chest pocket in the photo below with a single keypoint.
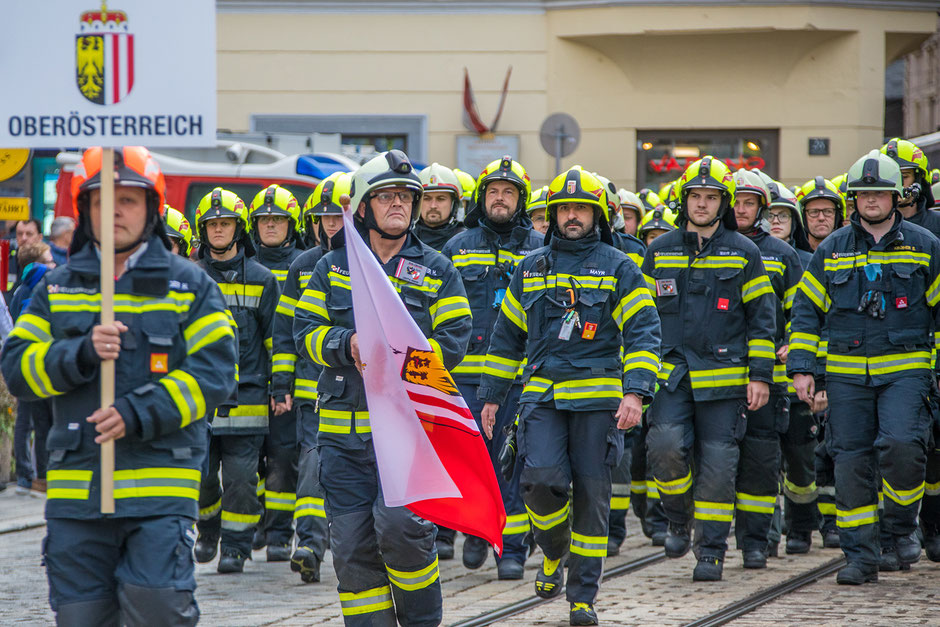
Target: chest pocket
[
  {"x": 727, "y": 294},
  {"x": 844, "y": 289},
  {"x": 909, "y": 284},
  {"x": 593, "y": 306},
  {"x": 62, "y": 439},
  {"x": 534, "y": 304},
  {"x": 418, "y": 304},
  {"x": 163, "y": 349},
  {"x": 247, "y": 328}
]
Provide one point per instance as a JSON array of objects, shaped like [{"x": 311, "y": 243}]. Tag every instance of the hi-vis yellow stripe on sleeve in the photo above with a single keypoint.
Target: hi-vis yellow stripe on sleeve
[
  {"x": 286, "y": 305},
  {"x": 445, "y": 309},
  {"x": 514, "y": 311},
  {"x": 186, "y": 394},
  {"x": 814, "y": 290},
  {"x": 314, "y": 301},
  {"x": 314, "y": 342},
  {"x": 760, "y": 348},
  {"x": 630, "y": 304},
  {"x": 804, "y": 341},
  {"x": 178, "y": 302},
  {"x": 206, "y": 330},
  {"x": 283, "y": 362},
  {"x": 642, "y": 360},
  {"x": 32, "y": 328},
  {"x": 755, "y": 288},
  {"x": 933, "y": 292},
  {"x": 33, "y": 365}
]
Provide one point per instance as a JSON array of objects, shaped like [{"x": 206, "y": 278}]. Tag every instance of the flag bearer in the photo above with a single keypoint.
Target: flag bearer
[
  {"x": 174, "y": 359},
  {"x": 570, "y": 309},
  {"x": 384, "y": 557}
]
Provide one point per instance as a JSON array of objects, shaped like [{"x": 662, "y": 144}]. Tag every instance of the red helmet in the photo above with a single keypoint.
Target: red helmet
[{"x": 134, "y": 166}]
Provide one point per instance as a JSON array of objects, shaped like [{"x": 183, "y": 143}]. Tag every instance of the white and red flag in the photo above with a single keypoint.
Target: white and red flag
[{"x": 430, "y": 454}]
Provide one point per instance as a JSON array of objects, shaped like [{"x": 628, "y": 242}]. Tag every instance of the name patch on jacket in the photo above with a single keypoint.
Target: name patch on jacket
[{"x": 666, "y": 287}]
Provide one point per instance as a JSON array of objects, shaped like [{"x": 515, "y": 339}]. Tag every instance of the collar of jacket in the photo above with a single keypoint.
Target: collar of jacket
[
  {"x": 716, "y": 236},
  {"x": 448, "y": 228},
  {"x": 149, "y": 275},
  {"x": 755, "y": 234},
  {"x": 275, "y": 255},
  {"x": 588, "y": 242},
  {"x": 894, "y": 233},
  {"x": 226, "y": 264}
]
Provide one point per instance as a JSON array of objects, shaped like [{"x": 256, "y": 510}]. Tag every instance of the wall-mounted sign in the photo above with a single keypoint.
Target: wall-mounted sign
[
  {"x": 474, "y": 153},
  {"x": 818, "y": 146},
  {"x": 14, "y": 208}
]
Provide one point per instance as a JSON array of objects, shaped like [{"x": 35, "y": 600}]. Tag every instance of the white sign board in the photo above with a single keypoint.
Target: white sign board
[
  {"x": 475, "y": 153},
  {"x": 132, "y": 72}
]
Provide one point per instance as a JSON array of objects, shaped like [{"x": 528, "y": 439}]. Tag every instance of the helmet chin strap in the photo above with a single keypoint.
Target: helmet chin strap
[
  {"x": 372, "y": 225},
  {"x": 884, "y": 219},
  {"x": 222, "y": 251}
]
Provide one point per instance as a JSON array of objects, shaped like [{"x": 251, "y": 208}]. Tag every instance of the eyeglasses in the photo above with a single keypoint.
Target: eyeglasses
[
  {"x": 779, "y": 217},
  {"x": 386, "y": 198},
  {"x": 815, "y": 213}
]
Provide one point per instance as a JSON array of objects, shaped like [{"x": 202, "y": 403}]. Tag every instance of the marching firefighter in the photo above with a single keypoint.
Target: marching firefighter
[
  {"x": 823, "y": 209},
  {"x": 384, "y": 557},
  {"x": 877, "y": 286},
  {"x": 717, "y": 310},
  {"x": 178, "y": 230},
  {"x": 231, "y": 511},
  {"x": 536, "y": 209},
  {"x": 632, "y": 210},
  {"x": 802, "y": 486},
  {"x": 274, "y": 220},
  {"x": 571, "y": 307},
  {"x": 322, "y": 212},
  {"x": 914, "y": 171},
  {"x": 759, "y": 465},
  {"x": 174, "y": 361},
  {"x": 626, "y": 242},
  {"x": 486, "y": 256},
  {"x": 440, "y": 204}
]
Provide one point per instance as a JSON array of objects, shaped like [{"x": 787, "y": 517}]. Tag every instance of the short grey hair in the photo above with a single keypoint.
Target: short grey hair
[{"x": 60, "y": 226}]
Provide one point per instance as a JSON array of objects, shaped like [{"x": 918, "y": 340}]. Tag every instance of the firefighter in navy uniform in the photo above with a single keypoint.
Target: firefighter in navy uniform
[
  {"x": 798, "y": 444},
  {"x": 920, "y": 210},
  {"x": 384, "y": 557},
  {"x": 440, "y": 204},
  {"x": 717, "y": 307},
  {"x": 876, "y": 282},
  {"x": 322, "y": 212},
  {"x": 231, "y": 510},
  {"x": 759, "y": 464},
  {"x": 486, "y": 255},
  {"x": 274, "y": 221},
  {"x": 571, "y": 308},
  {"x": 174, "y": 355},
  {"x": 626, "y": 242},
  {"x": 178, "y": 230}
]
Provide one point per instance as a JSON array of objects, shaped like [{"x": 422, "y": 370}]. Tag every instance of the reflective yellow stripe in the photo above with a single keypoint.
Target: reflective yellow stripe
[
  {"x": 537, "y": 284},
  {"x": 177, "y": 302},
  {"x": 709, "y": 510},
  {"x": 474, "y": 259},
  {"x": 774, "y": 265},
  {"x": 630, "y": 304},
  {"x": 933, "y": 292},
  {"x": 537, "y": 385},
  {"x": 641, "y": 360},
  {"x": 286, "y": 305},
  {"x": 714, "y": 262},
  {"x": 366, "y": 602},
  {"x": 205, "y": 513},
  {"x": 338, "y": 280},
  {"x": 157, "y": 482},
  {"x": 206, "y": 330},
  {"x": 242, "y": 417},
  {"x": 826, "y": 509},
  {"x": 760, "y": 349},
  {"x": 68, "y": 484},
  {"x": 314, "y": 344},
  {"x": 755, "y": 288},
  {"x": 445, "y": 309},
  {"x": 282, "y": 501},
  {"x": 804, "y": 341},
  {"x": 670, "y": 261},
  {"x": 33, "y": 368},
  {"x": 601, "y": 387},
  {"x": 754, "y": 503},
  {"x": 309, "y": 506},
  {"x": 814, "y": 290},
  {"x": 880, "y": 365},
  {"x": 516, "y": 524},
  {"x": 514, "y": 311},
  {"x": 588, "y": 546},
  {"x": 283, "y": 362},
  {"x": 305, "y": 388},
  {"x": 665, "y": 370},
  {"x": 335, "y": 421},
  {"x": 717, "y": 378},
  {"x": 471, "y": 364},
  {"x": 239, "y": 522},
  {"x": 186, "y": 394},
  {"x": 32, "y": 328},
  {"x": 903, "y": 497},
  {"x": 500, "y": 367},
  {"x": 314, "y": 301},
  {"x": 865, "y": 515},
  {"x": 675, "y": 486},
  {"x": 549, "y": 521},
  {"x": 415, "y": 579},
  {"x": 799, "y": 494}
]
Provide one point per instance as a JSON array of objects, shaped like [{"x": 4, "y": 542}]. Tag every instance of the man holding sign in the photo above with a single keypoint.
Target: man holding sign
[
  {"x": 384, "y": 555},
  {"x": 173, "y": 353}
]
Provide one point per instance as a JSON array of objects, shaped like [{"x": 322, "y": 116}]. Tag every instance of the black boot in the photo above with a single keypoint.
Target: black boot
[
  {"x": 508, "y": 568},
  {"x": 582, "y": 614},
  {"x": 550, "y": 578},
  {"x": 932, "y": 546},
  {"x": 475, "y": 551},
  {"x": 908, "y": 548},
  {"x": 278, "y": 552},
  {"x": 707, "y": 569},
  {"x": 659, "y": 538},
  {"x": 831, "y": 539},
  {"x": 755, "y": 558},
  {"x": 798, "y": 542},
  {"x": 855, "y": 574},
  {"x": 305, "y": 562},
  {"x": 678, "y": 540},
  {"x": 207, "y": 545},
  {"x": 231, "y": 561},
  {"x": 445, "y": 548},
  {"x": 257, "y": 541}
]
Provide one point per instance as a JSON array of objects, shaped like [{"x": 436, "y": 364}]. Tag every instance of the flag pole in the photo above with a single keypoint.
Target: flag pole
[{"x": 107, "y": 318}]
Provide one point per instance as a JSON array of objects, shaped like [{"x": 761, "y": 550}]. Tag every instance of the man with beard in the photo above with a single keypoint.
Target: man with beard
[
  {"x": 439, "y": 206},
  {"x": 486, "y": 255}
]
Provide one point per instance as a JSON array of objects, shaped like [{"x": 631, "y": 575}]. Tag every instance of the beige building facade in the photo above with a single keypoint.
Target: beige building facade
[{"x": 794, "y": 87}]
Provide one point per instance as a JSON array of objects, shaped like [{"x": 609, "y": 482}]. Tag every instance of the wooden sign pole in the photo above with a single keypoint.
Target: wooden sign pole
[{"x": 107, "y": 317}]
